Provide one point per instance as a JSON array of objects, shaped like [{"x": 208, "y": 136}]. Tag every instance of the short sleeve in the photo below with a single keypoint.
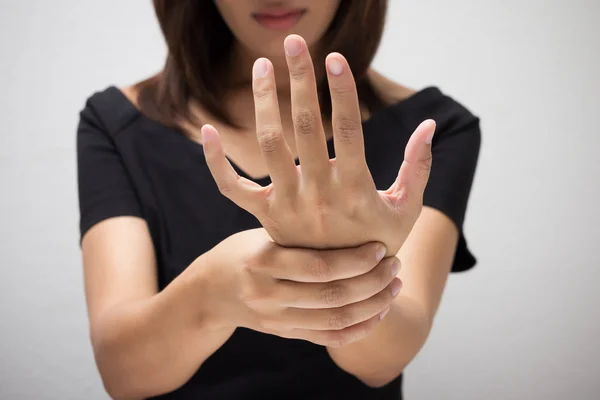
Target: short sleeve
[
  {"x": 455, "y": 155},
  {"x": 104, "y": 186}
]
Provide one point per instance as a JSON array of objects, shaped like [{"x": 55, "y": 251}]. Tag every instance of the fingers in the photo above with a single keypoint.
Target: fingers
[
  {"x": 302, "y": 265},
  {"x": 414, "y": 171},
  {"x": 243, "y": 192},
  {"x": 337, "y": 338},
  {"x": 338, "y": 293},
  {"x": 306, "y": 113},
  {"x": 275, "y": 150},
  {"x": 342, "y": 317},
  {"x": 346, "y": 117}
]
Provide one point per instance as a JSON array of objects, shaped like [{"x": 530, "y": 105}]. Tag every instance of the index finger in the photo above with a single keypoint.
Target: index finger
[{"x": 304, "y": 265}]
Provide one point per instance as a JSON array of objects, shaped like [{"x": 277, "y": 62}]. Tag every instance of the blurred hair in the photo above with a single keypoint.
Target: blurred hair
[{"x": 200, "y": 44}]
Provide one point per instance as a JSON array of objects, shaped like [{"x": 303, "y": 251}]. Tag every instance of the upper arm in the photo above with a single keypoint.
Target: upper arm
[
  {"x": 118, "y": 255},
  {"x": 118, "y": 263}
]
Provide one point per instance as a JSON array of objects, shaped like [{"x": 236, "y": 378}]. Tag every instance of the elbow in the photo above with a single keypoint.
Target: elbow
[
  {"x": 112, "y": 373},
  {"x": 119, "y": 392},
  {"x": 119, "y": 389},
  {"x": 121, "y": 378},
  {"x": 381, "y": 380}
]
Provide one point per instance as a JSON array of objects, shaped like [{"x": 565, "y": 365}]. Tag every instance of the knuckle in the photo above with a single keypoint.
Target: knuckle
[
  {"x": 382, "y": 278},
  {"x": 342, "y": 92},
  {"x": 255, "y": 293},
  {"x": 347, "y": 129},
  {"x": 318, "y": 268},
  {"x": 226, "y": 188},
  {"x": 340, "y": 320},
  {"x": 399, "y": 203},
  {"x": 251, "y": 265},
  {"x": 424, "y": 168},
  {"x": 267, "y": 325},
  {"x": 385, "y": 298},
  {"x": 262, "y": 95},
  {"x": 305, "y": 121},
  {"x": 402, "y": 205},
  {"x": 337, "y": 340},
  {"x": 367, "y": 329},
  {"x": 323, "y": 212},
  {"x": 269, "y": 139},
  {"x": 300, "y": 72},
  {"x": 333, "y": 295},
  {"x": 250, "y": 295}
]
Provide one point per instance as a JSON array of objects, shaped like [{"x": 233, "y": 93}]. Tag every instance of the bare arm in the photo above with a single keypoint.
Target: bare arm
[
  {"x": 381, "y": 357},
  {"x": 145, "y": 343}
]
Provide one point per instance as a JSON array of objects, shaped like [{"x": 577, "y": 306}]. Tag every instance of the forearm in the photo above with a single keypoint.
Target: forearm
[
  {"x": 381, "y": 356},
  {"x": 155, "y": 345}
]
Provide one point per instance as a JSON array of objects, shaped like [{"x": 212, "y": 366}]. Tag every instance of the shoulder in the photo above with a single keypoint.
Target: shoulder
[
  {"x": 109, "y": 110},
  {"x": 411, "y": 107}
]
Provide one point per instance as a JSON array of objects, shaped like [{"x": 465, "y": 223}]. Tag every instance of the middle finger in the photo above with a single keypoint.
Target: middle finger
[
  {"x": 342, "y": 317},
  {"x": 275, "y": 150},
  {"x": 338, "y": 293},
  {"x": 306, "y": 113}
]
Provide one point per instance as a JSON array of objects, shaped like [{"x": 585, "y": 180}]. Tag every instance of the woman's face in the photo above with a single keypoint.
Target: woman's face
[{"x": 262, "y": 25}]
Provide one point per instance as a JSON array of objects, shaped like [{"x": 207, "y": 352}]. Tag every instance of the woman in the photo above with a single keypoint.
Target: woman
[{"x": 227, "y": 254}]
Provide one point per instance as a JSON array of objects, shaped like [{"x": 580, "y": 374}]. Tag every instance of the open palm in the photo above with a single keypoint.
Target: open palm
[{"x": 322, "y": 203}]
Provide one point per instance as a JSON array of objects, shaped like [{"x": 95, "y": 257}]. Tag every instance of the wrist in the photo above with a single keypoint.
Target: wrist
[
  {"x": 209, "y": 285},
  {"x": 193, "y": 294}
]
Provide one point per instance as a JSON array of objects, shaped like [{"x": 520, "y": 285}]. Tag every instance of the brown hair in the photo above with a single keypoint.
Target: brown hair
[{"x": 199, "y": 46}]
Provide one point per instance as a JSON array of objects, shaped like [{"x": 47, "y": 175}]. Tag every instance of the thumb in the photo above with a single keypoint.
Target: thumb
[{"x": 414, "y": 171}]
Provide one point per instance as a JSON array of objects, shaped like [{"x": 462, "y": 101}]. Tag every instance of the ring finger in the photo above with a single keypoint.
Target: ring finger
[
  {"x": 342, "y": 317},
  {"x": 337, "y": 338},
  {"x": 338, "y": 293}
]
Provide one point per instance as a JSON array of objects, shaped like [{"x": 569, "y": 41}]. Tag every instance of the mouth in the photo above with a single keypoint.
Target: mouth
[{"x": 279, "y": 19}]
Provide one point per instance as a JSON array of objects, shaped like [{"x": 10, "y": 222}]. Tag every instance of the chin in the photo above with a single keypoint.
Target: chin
[{"x": 271, "y": 48}]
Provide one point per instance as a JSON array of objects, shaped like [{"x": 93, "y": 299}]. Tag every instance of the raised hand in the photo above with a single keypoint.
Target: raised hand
[
  {"x": 328, "y": 297},
  {"x": 322, "y": 203}
]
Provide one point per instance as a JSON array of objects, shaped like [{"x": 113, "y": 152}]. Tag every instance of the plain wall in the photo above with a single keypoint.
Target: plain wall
[{"x": 523, "y": 324}]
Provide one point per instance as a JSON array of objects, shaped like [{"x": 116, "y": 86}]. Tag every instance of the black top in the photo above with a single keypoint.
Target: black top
[{"x": 131, "y": 165}]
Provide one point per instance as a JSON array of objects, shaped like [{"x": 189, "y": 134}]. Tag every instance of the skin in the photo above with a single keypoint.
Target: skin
[
  {"x": 254, "y": 41},
  {"x": 334, "y": 293}
]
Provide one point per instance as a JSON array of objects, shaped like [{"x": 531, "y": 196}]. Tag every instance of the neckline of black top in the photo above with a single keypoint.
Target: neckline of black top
[{"x": 427, "y": 92}]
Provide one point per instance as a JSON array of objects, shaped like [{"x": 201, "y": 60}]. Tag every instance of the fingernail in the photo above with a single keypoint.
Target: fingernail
[
  {"x": 395, "y": 267},
  {"x": 292, "y": 46},
  {"x": 396, "y": 286},
  {"x": 383, "y": 313},
  {"x": 208, "y": 133},
  {"x": 430, "y": 136},
  {"x": 260, "y": 68},
  {"x": 381, "y": 250},
  {"x": 335, "y": 66},
  {"x": 429, "y": 139}
]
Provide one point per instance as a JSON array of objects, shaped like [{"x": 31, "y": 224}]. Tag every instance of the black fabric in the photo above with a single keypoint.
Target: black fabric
[{"x": 131, "y": 165}]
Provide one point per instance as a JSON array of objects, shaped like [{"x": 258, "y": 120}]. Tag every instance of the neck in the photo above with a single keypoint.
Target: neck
[{"x": 240, "y": 74}]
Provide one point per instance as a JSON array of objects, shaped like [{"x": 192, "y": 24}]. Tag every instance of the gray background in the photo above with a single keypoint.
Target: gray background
[{"x": 522, "y": 325}]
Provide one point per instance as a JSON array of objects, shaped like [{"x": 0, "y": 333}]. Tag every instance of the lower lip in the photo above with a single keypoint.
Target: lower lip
[{"x": 279, "y": 23}]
